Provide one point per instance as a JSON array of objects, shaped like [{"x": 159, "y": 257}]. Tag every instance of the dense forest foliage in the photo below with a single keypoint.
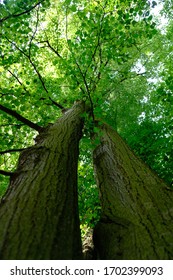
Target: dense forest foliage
[{"x": 115, "y": 55}]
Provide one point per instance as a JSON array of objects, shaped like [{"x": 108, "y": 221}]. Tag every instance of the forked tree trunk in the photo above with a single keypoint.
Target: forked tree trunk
[
  {"x": 39, "y": 213},
  {"x": 137, "y": 207}
]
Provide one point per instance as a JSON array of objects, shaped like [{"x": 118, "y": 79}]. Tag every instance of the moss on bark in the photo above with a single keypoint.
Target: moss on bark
[
  {"x": 137, "y": 206},
  {"x": 39, "y": 212}
]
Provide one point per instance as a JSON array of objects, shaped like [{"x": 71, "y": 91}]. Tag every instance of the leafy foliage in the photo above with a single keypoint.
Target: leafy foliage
[{"x": 109, "y": 53}]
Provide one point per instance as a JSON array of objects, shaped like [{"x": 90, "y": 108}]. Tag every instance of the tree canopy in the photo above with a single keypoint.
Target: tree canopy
[{"x": 115, "y": 55}]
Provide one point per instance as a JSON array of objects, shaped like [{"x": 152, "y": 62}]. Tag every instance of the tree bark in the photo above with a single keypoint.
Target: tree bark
[
  {"x": 39, "y": 212},
  {"x": 137, "y": 206}
]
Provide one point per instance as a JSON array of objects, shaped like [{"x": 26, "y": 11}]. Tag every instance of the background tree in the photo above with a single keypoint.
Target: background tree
[{"x": 106, "y": 53}]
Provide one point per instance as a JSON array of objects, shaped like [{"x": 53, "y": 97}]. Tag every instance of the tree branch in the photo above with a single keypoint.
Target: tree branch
[
  {"x": 20, "y": 118},
  {"x": 56, "y": 52},
  {"x": 50, "y": 47},
  {"x": 53, "y": 102},
  {"x": 56, "y": 104},
  {"x": 6, "y": 173},
  {"x": 34, "y": 33},
  {"x": 17, "y": 79},
  {"x": 78, "y": 83},
  {"x": 31, "y": 62},
  {"x": 22, "y": 13},
  {"x": 12, "y": 151}
]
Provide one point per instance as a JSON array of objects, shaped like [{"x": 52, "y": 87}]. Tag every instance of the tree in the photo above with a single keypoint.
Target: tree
[
  {"x": 39, "y": 212},
  {"x": 96, "y": 53},
  {"x": 135, "y": 221}
]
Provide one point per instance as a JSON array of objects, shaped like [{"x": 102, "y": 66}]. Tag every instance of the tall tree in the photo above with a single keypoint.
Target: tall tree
[
  {"x": 39, "y": 212},
  {"x": 104, "y": 53},
  {"x": 135, "y": 221}
]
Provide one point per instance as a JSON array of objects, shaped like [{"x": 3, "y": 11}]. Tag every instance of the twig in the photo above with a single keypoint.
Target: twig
[
  {"x": 17, "y": 79},
  {"x": 33, "y": 65},
  {"x": 56, "y": 52},
  {"x": 35, "y": 31}
]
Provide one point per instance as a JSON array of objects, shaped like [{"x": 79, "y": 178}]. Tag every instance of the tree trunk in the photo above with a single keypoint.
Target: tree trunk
[
  {"x": 137, "y": 206},
  {"x": 39, "y": 213}
]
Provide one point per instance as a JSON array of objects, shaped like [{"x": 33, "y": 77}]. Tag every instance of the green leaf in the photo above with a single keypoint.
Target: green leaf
[{"x": 73, "y": 8}]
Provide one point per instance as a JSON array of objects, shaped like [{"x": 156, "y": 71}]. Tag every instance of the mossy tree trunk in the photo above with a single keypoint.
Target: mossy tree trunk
[
  {"x": 39, "y": 213},
  {"x": 137, "y": 206}
]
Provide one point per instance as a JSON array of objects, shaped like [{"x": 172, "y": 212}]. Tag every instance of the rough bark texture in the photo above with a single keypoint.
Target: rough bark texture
[
  {"x": 137, "y": 206},
  {"x": 39, "y": 213}
]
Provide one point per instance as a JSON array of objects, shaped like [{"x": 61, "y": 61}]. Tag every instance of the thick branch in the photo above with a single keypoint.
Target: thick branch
[
  {"x": 20, "y": 118},
  {"x": 6, "y": 173}
]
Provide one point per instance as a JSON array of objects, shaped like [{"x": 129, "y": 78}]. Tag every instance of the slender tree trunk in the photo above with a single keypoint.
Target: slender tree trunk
[
  {"x": 137, "y": 206},
  {"x": 39, "y": 213}
]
